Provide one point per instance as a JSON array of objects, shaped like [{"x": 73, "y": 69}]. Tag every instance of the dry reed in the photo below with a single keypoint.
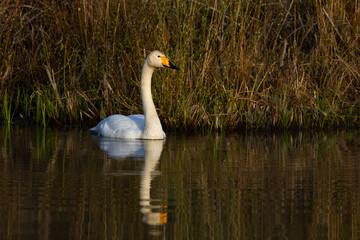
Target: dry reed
[{"x": 253, "y": 64}]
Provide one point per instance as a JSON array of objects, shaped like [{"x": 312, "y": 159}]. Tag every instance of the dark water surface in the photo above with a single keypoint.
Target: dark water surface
[{"x": 67, "y": 184}]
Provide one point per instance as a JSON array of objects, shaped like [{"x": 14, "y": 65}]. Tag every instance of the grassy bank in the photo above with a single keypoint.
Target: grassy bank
[{"x": 244, "y": 64}]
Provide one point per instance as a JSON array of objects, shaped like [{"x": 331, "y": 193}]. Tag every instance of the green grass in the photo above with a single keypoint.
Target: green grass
[
  {"x": 6, "y": 109},
  {"x": 244, "y": 64}
]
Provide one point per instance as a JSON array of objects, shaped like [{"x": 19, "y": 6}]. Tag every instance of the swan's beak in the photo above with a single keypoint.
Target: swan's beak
[{"x": 166, "y": 63}]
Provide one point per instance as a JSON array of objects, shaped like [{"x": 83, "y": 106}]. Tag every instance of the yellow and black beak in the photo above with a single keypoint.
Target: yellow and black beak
[{"x": 166, "y": 63}]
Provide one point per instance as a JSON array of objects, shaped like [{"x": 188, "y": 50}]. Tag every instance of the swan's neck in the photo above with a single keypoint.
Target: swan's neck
[{"x": 153, "y": 128}]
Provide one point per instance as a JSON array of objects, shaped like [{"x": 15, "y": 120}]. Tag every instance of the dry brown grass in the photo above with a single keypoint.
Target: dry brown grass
[{"x": 253, "y": 64}]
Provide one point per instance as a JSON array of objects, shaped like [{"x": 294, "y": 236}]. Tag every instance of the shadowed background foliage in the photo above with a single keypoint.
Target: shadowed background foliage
[{"x": 244, "y": 64}]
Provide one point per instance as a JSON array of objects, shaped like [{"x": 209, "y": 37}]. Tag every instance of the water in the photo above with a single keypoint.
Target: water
[{"x": 67, "y": 184}]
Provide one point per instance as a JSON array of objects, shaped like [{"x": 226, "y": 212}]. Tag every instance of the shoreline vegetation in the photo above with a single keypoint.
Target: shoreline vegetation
[{"x": 243, "y": 64}]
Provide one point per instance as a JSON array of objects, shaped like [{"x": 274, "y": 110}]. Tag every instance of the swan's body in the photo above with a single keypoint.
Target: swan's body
[{"x": 147, "y": 126}]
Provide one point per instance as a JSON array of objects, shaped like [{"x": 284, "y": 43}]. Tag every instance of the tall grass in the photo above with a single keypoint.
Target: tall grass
[{"x": 253, "y": 64}]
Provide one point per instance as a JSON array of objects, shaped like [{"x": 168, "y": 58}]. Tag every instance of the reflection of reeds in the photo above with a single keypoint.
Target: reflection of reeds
[
  {"x": 37, "y": 173},
  {"x": 233, "y": 187},
  {"x": 256, "y": 187},
  {"x": 275, "y": 64}
]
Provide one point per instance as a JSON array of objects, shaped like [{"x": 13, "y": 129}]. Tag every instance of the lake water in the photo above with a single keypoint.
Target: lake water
[{"x": 68, "y": 184}]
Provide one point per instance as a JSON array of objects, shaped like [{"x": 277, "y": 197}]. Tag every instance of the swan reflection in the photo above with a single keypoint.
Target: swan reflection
[{"x": 150, "y": 151}]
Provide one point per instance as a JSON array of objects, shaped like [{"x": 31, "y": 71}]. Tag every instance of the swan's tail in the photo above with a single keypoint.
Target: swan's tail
[{"x": 94, "y": 129}]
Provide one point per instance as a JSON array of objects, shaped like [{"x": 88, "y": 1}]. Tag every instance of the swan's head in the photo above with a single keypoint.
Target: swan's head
[{"x": 158, "y": 59}]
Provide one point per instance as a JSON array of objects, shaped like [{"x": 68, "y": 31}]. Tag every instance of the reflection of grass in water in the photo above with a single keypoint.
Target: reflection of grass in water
[
  {"x": 244, "y": 64},
  {"x": 262, "y": 186},
  {"x": 222, "y": 186}
]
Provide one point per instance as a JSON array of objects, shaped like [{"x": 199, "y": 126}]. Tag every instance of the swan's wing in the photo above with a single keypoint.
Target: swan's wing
[
  {"x": 138, "y": 119},
  {"x": 120, "y": 126}
]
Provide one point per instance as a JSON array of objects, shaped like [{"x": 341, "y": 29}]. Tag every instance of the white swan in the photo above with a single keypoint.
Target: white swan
[{"x": 145, "y": 126}]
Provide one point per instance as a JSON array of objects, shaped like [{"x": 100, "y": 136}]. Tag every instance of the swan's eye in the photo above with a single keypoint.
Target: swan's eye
[{"x": 158, "y": 56}]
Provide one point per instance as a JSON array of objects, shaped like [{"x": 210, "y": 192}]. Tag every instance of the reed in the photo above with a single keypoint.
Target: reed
[
  {"x": 6, "y": 109},
  {"x": 244, "y": 64}
]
